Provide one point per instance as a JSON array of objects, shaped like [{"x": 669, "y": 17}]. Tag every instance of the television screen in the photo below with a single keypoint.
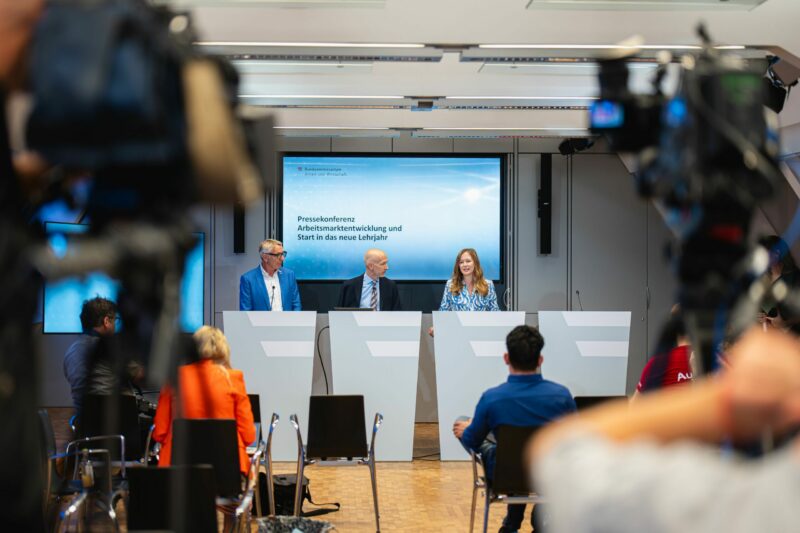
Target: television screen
[
  {"x": 64, "y": 298},
  {"x": 421, "y": 210}
]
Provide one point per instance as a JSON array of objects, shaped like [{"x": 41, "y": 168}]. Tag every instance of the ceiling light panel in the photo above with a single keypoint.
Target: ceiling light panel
[
  {"x": 256, "y": 67},
  {"x": 552, "y": 69},
  {"x": 322, "y": 52},
  {"x": 336, "y": 131},
  {"x": 495, "y": 133},
  {"x": 297, "y": 4},
  {"x": 325, "y": 100},
  {"x": 632, "y": 5},
  {"x": 521, "y": 102}
]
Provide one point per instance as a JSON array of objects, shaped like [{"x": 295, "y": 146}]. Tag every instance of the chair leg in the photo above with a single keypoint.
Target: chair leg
[
  {"x": 374, "y": 478},
  {"x": 486, "y": 511},
  {"x": 234, "y": 522},
  {"x": 270, "y": 487},
  {"x": 475, "y": 489},
  {"x": 257, "y": 494},
  {"x": 298, "y": 491},
  {"x": 113, "y": 516}
]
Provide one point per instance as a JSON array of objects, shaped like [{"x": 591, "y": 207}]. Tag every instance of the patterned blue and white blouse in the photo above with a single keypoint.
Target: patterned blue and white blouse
[{"x": 464, "y": 301}]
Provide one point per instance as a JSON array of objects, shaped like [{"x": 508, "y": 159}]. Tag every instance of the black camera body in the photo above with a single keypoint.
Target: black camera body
[{"x": 697, "y": 144}]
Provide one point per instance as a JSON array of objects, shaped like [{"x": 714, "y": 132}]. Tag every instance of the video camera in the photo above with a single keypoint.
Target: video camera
[
  {"x": 707, "y": 154},
  {"x": 712, "y": 135}
]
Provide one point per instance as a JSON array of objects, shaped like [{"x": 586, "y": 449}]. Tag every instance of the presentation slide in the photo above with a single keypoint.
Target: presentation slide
[
  {"x": 420, "y": 210},
  {"x": 63, "y": 299}
]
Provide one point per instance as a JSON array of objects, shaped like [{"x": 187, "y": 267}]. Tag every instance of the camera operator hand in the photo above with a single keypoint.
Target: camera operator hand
[{"x": 763, "y": 383}]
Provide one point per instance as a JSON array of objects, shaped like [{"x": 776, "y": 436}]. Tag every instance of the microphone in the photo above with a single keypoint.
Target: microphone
[
  {"x": 579, "y": 298},
  {"x": 271, "y": 297}
]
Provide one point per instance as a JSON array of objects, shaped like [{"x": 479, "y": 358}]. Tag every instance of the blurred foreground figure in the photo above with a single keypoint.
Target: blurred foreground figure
[
  {"x": 654, "y": 467},
  {"x": 20, "y": 486}
]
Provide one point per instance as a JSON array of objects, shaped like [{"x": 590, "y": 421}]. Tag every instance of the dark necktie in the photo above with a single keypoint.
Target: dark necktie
[{"x": 373, "y": 299}]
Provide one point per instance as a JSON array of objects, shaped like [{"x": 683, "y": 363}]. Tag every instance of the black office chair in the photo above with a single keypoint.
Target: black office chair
[
  {"x": 152, "y": 504},
  {"x": 266, "y": 463},
  {"x": 337, "y": 435},
  {"x": 214, "y": 442},
  {"x": 98, "y": 488},
  {"x": 587, "y": 402},
  {"x": 510, "y": 482},
  {"x": 112, "y": 415},
  {"x": 57, "y": 486},
  {"x": 255, "y": 405}
]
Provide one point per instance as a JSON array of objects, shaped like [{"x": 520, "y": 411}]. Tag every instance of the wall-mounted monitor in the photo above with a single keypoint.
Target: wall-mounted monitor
[
  {"x": 420, "y": 209},
  {"x": 63, "y": 299}
]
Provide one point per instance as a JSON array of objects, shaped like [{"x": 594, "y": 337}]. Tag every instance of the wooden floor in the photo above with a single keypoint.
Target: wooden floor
[{"x": 424, "y": 495}]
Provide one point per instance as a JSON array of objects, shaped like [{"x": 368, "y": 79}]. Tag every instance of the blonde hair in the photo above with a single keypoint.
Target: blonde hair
[
  {"x": 457, "y": 281},
  {"x": 212, "y": 344}
]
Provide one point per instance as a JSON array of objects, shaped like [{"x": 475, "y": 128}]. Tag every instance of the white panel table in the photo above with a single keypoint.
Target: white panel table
[
  {"x": 376, "y": 354},
  {"x": 469, "y": 348},
  {"x": 275, "y": 350},
  {"x": 586, "y": 351}
]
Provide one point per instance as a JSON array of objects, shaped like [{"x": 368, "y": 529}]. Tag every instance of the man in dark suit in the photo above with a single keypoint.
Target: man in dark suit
[
  {"x": 269, "y": 286},
  {"x": 371, "y": 289}
]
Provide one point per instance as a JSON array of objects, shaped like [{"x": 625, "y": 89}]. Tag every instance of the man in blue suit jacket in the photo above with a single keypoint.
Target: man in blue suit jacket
[{"x": 269, "y": 286}]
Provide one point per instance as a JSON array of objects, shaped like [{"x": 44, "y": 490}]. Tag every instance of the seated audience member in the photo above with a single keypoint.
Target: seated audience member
[
  {"x": 209, "y": 388},
  {"x": 655, "y": 466},
  {"x": 525, "y": 400},
  {"x": 671, "y": 365},
  {"x": 90, "y": 372},
  {"x": 372, "y": 289}
]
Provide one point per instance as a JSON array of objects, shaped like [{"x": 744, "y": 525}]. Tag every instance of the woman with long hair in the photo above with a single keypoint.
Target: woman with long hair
[
  {"x": 209, "y": 388},
  {"x": 467, "y": 289}
]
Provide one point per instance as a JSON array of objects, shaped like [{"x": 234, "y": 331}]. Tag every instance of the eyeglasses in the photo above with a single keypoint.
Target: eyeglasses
[{"x": 282, "y": 254}]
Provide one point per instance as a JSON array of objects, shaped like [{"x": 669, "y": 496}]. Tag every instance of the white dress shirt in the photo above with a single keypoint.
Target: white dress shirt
[{"x": 273, "y": 290}]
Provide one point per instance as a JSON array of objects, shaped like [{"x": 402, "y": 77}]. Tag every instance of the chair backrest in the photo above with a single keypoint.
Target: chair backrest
[
  {"x": 206, "y": 441},
  {"x": 47, "y": 434},
  {"x": 255, "y": 405},
  {"x": 336, "y": 427},
  {"x": 510, "y": 473},
  {"x": 586, "y": 402},
  {"x": 112, "y": 415},
  {"x": 152, "y": 499}
]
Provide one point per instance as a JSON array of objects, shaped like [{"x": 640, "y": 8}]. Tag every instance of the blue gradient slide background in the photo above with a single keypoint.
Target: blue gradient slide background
[
  {"x": 444, "y": 204},
  {"x": 63, "y": 299}
]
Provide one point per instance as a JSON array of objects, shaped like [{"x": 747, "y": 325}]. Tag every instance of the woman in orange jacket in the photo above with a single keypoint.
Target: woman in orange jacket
[{"x": 209, "y": 388}]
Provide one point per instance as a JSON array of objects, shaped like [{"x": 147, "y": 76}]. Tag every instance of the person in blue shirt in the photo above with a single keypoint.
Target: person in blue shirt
[
  {"x": 467, "y": 290},
  {"x": 269, "y": 286},
  {"x": 526, "y": 399}
]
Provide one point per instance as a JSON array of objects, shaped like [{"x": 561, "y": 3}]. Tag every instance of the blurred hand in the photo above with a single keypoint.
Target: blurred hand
[
  {"x": 459, "y": 426},
  {"x": 430, "y": 331},
  {"x": 763, "y": 382}
]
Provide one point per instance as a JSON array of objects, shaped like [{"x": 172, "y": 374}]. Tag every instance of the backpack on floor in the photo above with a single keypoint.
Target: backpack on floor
[{"x": 284, "y": 486}]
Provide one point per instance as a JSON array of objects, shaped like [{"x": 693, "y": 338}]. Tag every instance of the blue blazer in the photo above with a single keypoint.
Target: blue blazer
[{"x": 253, "y": 292}]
